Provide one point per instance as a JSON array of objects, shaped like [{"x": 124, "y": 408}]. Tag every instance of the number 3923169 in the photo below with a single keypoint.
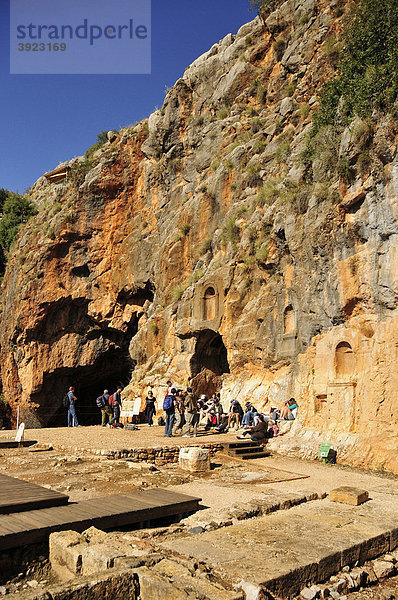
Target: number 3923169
[{"x": 41, "y": 47}]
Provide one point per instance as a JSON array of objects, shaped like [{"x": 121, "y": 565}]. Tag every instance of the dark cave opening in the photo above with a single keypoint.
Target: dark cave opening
[
  {"x": 209, "y": 362},
  {"x": 112, "y": 367},
  {"x": 108, "y": 372}
]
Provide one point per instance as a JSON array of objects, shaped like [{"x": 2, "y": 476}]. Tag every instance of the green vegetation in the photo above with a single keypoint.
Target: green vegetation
[
  {"x": 185, "y": 229},
  {"x": 198, "y": 120},
  {"x": 262, "y": 253},
  {"x": 291, "y": 88},
  {"x": 178, "y": 291},
  {"x": 265, "y": 5},
  {"x": 230, "y": 231},
  {"x": 367, "y": 70},
  {"x": 279, "y": 48},
  {"x": 282, "y": 152},
  {"x": 222, "y": 113},
  {"x": 102, "y": 138},
  {"x": 154, "y": 328},
  {"x": 16, "y": 210}
]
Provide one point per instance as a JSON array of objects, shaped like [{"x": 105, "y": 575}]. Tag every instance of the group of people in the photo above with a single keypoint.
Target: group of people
[
  {"x": 109, "y": 405},
  {"x": 184, "y": 412}
]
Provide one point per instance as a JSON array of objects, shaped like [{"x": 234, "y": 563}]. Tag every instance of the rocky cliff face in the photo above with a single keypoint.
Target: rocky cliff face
[{"x": 208, "y": 242}]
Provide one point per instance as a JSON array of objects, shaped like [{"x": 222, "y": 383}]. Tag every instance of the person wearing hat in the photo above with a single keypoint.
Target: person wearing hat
[
  {"x": 202, "y": 406},
  {"x": 235, "y": 414},
  {"x": 250, "y": 415}
]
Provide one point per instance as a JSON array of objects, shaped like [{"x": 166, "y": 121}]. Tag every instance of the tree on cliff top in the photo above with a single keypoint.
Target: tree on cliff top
[{"x": 15, "y": 209}]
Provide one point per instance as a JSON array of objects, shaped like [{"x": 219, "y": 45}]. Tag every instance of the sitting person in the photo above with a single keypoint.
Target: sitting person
[
  {"x": 235, "y": 414},
  {"x": 289, "y": 410},
  {"x": 250, "y": 415},
  {"x": 258, "y": 433},
  {"x": 222, "y": 427},
  {"x": 214, "y": 413}
]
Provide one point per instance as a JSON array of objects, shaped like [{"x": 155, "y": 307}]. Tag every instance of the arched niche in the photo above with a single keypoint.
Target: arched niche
[
  {"x": 344, "y": 360},
  {"x": 289, "y": 320},
  {"x": 209, "y": 309}
]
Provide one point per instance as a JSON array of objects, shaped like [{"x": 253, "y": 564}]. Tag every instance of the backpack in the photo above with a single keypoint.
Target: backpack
[
  {"x": 65, "y": 401},
  {"x": 100, "y": 401},
  {"x": 273, "y": 430},
  {"x": 168, "y": 402},
  {"x": 111, "y": 398}
]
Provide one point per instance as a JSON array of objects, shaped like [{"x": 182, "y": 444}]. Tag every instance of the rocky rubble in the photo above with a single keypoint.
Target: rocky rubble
[{"x": 354, "y": 579}]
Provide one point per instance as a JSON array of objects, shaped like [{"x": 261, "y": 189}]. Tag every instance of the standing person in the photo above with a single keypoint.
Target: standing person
[
  {"x": 150, "y": 408},
  {"x": 103, "y": 404},
  {"x": 116, "y": 405},
  {"x": 169, "y": 408},
  {"x": 191, "y": 414},
  {"x": 72, "y": 418},
  {"x": 179, "y": 412}
]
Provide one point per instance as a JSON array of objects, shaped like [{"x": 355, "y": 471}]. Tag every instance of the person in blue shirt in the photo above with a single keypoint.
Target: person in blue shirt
[
  {"x": 287, "y": 410},
  {"x": 72, "y": 418}
]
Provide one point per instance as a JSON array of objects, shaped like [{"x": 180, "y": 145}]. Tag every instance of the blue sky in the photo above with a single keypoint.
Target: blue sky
[{"x": 46, "y": 119}]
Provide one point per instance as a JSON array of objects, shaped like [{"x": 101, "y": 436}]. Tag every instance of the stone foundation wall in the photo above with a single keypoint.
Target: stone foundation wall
[{"x": 158, "y": 455}]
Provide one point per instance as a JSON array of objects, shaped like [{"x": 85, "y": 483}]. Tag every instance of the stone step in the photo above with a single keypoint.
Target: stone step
[
  {"x": 254, "y": 455},
  {"x": 247, "y": 450},
  {"x": 240, "y": 444}
]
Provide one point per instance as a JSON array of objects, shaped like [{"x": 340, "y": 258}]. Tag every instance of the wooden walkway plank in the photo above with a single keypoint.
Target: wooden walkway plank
[
  {"x": 111, "y": 512},
  {"x": 19, "y": 495}
]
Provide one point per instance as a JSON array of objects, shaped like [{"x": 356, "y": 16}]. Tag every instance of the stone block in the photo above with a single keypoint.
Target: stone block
[
  {"x": 383, "y": 569},
  {"x": 194, "y": 459},
  {"x": 348, "y": 495},
  {"x": 97, "y": 557},
  {"x": 374, "y": 547},
  {"x": 154, "y": 587},
  {"x": 66, "y": 553},
  {"x": 310, "y": 593}
]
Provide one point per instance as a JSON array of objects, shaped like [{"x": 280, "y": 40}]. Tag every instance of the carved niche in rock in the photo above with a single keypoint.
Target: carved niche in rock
[
  {"x": 289, "y": 336},
  {"x": 335, "y": 383},
  {"x": 344, "y": 361},
  {"x": 208, "y": 304}
]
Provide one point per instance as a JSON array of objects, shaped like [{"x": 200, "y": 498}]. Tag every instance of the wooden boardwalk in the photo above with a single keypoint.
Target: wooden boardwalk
[
  {"x": 14, "y": 444},
  {"x": 109, "y": 512},
  {"x": 17, "y": 495}
]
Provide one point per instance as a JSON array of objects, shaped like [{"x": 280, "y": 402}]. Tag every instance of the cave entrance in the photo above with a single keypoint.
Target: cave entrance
[
  {"x": 208, "y": 363},
  {"x": 107, "y": 372}
]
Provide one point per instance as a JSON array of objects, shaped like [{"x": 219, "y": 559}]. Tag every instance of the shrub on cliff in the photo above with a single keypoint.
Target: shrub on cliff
[
  {"x": 16, "y": 209},
  {"x": 368, "y": 67}
]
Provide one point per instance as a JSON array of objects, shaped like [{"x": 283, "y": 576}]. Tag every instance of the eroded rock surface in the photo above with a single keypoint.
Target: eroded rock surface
[{"x": 202, "y": 243}]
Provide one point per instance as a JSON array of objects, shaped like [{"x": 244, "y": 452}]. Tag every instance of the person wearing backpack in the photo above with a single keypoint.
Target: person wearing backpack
[
  {"x": 116, "y": 404},
  {"x": 71, "y": 399},
  {"x": 169, "y": 409},
  {"x": 106, "y": 411}
]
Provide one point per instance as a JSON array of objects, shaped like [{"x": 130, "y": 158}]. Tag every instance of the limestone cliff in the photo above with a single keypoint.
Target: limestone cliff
[{"x": 204, "y": 242}]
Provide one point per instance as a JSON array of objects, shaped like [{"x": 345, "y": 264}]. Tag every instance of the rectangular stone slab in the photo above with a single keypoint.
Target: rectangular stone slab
[{"x": 348, "y": 495}]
